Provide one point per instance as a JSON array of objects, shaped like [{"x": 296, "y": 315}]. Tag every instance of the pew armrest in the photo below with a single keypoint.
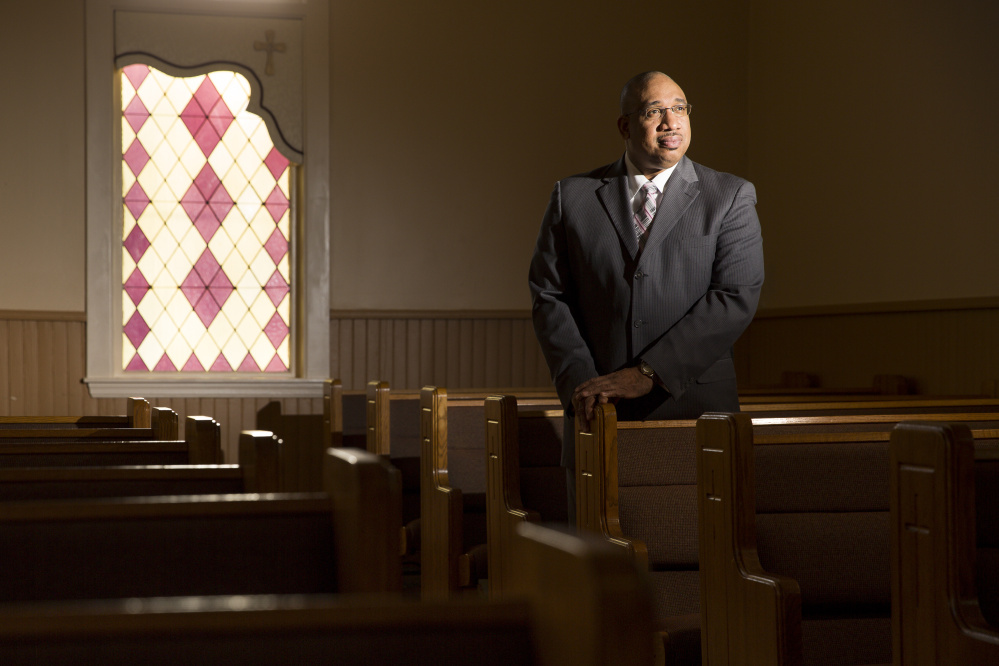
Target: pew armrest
[
  {"x": 932, "y": 482},
  {"x": 597, "y": 483},
  {"x": 747, "y": 614}
]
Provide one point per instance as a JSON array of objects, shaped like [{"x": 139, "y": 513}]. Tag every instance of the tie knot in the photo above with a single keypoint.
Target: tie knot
[{"x": 650, "y": 190}]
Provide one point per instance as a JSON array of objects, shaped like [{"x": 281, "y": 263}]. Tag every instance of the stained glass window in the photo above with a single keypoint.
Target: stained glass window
[{"x": 206, "y": 199}]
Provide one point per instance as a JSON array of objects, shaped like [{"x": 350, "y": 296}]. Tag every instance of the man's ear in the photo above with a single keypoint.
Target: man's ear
[{"x": 623, "y": 126}]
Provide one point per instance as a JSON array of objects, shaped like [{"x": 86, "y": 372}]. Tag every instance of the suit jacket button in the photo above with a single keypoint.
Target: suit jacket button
[
  {"x": 639, "y": 275},
  {"x": 639, "y": 323}
]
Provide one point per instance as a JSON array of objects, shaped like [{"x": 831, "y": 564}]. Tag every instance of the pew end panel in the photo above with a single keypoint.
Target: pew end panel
[
  {"x": 936, "y": 616},
  {"x": 332, "y": 413},
  {"x": 204, "y": 440},
  {"x": 378, "y": 428},
  {"x": 602, "y": 588},
  {"x": 440, "y": 504},
  {"x": 596, "y": 491},
  {"x": 367, "y": 515},
  {"x": 138, "y": 412},
  {"x": 731, "y": 577},
  {"x": 260, "y": 458},
  {"x": 165, "y": 424},
  {"x": 504, "y": 509}
]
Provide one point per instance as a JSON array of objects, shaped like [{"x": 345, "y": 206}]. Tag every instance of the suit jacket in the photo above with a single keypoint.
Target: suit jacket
[{"x": 600, "y": 304}]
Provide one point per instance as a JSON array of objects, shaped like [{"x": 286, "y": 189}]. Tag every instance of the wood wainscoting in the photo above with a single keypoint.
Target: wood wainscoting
[{"x": 945, "y": 348}]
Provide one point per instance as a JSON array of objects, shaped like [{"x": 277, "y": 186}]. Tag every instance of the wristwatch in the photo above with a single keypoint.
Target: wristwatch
[{"x": 646, "y": 370}]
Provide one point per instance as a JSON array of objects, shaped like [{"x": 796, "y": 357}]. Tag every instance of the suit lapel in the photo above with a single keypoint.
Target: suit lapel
[
  {"x": 681, "y": 190},
  {"x": 613, "y": 195}
]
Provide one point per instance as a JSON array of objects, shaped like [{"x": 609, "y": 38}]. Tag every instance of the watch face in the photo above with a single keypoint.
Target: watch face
[{"x": 646, "y": 369}]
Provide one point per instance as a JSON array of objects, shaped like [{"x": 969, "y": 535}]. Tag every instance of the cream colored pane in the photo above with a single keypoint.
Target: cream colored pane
[
  {"x": 150, "y": 91},
  {"x": 262, "y": 267},
  {"x": 284, "y": 182},
  {"x": 127, "y": 350},
  {"x": 247, "y": 159},
  {"x": 192, "y": 158},
  {"x": 192, "y": 245},
  {"x": 262, "y": 225},
  {"x": 284, "y": 308},
  {"x": 263, "y": 351},
  {"x": 234, "y": 309},
  {"x": 127, "y": 90},
  {"x": 236, "y": 269},
  {"x": 178, "y": 224},
  {"x": 151, "y": 265},
  {"x": 284, "y": 352},
  {"x": 207, "y": 350},
  {"x": 127, "y": 133},
  {"x": 127, "y": 306},
  {"x": 127, "y": 264},
  {"x": 261, "y": 140},
  {"x": 151, "y": 137},
  {"x": 161, "y": 79},
  {"x": 178, "y": 94},
  {"x": 127, "y": 178},
  {"x": 164, "y": 204},
  {"x": 222, "y": 160},
  {"x": 150, "y": 179},
  {"x": 248, "y": 330},
  {"x": 178, "y": 308},
  {"x": 150, "y": 351},
  {"x": 221, "y": 245},
  {"x": 178, "y": 137},
  {"x": 178, "y": 180},
  {"x": 235, "y": 182},
  {"x": 234, "y": 351},
  {"x": 285, "y": 267},
  {"x": 165, "y": 108},
  {"x": 128, "y": 223},
  {"x": 179, "y": 351},
  {"x": 249, "y": 247},
  {"x": 263, "y": 183},
  {"x": 262, "y": 309},
  {"x": 249, "y": 122}
]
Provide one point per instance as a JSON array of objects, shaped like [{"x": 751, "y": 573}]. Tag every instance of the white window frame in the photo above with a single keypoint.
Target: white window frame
[{"x": 105, "y": 376}]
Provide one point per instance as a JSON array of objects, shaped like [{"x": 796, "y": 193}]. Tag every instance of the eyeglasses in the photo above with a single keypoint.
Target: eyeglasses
[{"x": 656, "y": 113}]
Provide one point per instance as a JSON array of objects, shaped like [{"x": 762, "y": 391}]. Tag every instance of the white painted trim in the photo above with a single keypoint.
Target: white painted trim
[
  {"x": 206, "y": 388},
  {"x": 104, "y": 374}
]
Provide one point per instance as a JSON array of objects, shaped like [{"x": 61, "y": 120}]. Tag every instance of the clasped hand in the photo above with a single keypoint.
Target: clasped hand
[{"x": 624, "y": 383}]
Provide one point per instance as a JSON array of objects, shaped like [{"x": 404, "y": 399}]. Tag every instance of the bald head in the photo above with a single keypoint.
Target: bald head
[{"x": 631, "y": 94}]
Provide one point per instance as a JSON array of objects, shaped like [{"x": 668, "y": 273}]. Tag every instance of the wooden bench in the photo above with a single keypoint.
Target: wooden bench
[
  {"x": 586, "y": 606},
  {"x": 200, "y": 446},
  {"x": 137, "y": 415},
  {"x": 794, "y": 532},
  {"x": 937, "y": 508},
  {"x": 911, "y": 405},
  {"x": 637, "y": 485},
  {"x": 524, "y": 481},
  {"x": 163, "y": 426},
  {"x": 453, "y": 491},
  {"x": 209, "y": 544}
]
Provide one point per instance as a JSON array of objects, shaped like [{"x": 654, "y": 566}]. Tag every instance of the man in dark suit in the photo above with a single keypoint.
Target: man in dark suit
[{"x": 646, "y": 271}]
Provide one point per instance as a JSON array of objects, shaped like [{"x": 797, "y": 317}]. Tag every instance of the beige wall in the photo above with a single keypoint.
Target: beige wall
[
  {"x": 867, "y": 127},
  {"x": 42, "y": 255},
  {"x": 872, "y": 143}
]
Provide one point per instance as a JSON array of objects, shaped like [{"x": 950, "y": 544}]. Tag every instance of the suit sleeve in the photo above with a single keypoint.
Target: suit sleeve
[
  {"x": 711, "y": 326},
  {"x": 554, "y": 303}
]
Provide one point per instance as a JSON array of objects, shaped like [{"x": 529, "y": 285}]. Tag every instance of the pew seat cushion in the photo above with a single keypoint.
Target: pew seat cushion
[
  {"x": 682, "y": 644},
  {"x": 841, "y": 641}
]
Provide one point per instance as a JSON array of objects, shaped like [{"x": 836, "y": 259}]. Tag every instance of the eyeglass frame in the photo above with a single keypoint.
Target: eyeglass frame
[{"x": 688, "y": 109}]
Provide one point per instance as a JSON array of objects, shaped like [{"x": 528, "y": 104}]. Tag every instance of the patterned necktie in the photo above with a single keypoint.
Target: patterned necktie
[{"x": 643, "y": 218}]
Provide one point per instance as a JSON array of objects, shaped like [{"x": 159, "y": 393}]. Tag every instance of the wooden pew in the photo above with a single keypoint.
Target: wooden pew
[
  {"x": 524, "y": 481},
  {"x": 93, "y": 449},
  {"x": 137, "y": 415},
  {"x": 637, "y": 484},
  {"x": 910, "y": 405},
  {"x": 453, "y": 491},
  {"x": 344, "y": 540},
  {"x": 66, "y": 482},
  {"x": 794, "y": 552},
  {"x": 586, "y": 606},
  {"x": 935, "y": 480},
  {"x": 163, "y": 426}
]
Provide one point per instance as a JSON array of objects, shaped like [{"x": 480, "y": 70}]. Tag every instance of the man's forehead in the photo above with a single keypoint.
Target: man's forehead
[{"x": 662, "y": 90}]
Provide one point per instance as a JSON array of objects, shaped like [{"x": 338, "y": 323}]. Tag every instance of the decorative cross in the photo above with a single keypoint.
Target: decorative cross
[{"x": 270, "y": 47}]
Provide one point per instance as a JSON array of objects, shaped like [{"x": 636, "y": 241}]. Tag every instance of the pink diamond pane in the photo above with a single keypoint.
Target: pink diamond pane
[
  {"x": 276, "y": 330},
  {"x": 220, "y": 117},
  {"x": 207, "y": 95},
  {"x": 276, "y": 203},
  {"x": 136, "y": 200},
  {"x": 136, "y": 157},
  {"x": 207, "y": 138},
  {"x": 276, "y": 365},
  {"x": 207, "y": 266},
  {"x": 193, "y": 117},
  {"x": 136, "y": 329},
  {"x": 165, "y": 364},
  {"x": 136, "y": 364},
  {"x": 221, "y": 365},
  {"x": 276, "y": 163},
  {"x": 136, "y": 114},
  {"x": 249, "y": 365},
  {"x": 136, "y": 286},
  {"x": 193, "y": 365},
  {"x": 207, "y": 224},
  {"x": 207, "y": 309},
  {"x": 276, "y": 288},
  {"x": 207, "y": 181},
  {"x": 276, "y": 246},
  {"x": 136, "y": 74},
  {"x": 136, "y": 244},
  {"x": 220, "y": 202}
]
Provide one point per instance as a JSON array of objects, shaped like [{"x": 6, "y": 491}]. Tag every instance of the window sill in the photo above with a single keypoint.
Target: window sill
[{"x": 120, "y": 387}]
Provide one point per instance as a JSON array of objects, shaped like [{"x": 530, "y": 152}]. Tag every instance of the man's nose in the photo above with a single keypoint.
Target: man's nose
[{"x": 670, "y": 120}]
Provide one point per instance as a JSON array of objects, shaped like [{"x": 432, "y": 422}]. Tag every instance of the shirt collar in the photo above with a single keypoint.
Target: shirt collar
[{"x": 636, "y": 179}]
